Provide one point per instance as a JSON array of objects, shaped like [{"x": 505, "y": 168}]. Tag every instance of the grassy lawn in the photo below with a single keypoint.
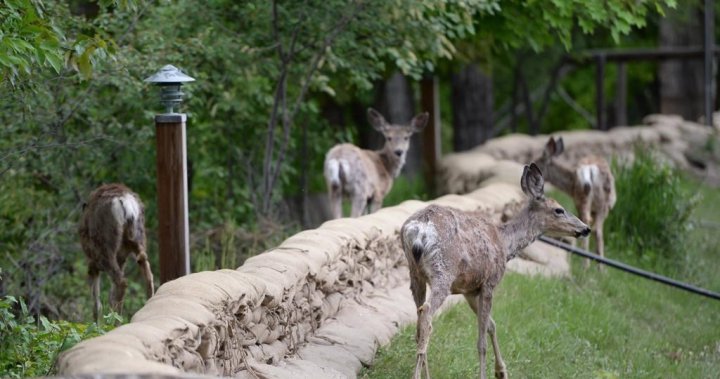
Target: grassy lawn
[{"x": 593, "y": 325}]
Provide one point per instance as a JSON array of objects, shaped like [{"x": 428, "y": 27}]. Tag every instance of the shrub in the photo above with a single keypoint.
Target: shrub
[
  {"x": 650, "y": 220},
  {"x": 30, "y": 346}
]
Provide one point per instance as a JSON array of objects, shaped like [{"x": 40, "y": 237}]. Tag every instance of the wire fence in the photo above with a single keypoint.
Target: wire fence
[{"x": 631, "y": 269}]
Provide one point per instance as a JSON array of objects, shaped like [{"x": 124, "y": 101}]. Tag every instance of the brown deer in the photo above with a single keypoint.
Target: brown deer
[
  {"x": 466, "y": 252},
  {"x": 590, "y": 183},
  {"x": 112, "y": 228},
  {"x": 366, "y": 176}
]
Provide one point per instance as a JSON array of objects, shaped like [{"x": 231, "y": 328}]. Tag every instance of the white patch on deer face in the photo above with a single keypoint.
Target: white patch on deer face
[{"x": 125, "y": 208}]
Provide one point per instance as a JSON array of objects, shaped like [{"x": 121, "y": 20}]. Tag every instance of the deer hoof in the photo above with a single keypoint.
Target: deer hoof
[{"x": 502, "y": 374}]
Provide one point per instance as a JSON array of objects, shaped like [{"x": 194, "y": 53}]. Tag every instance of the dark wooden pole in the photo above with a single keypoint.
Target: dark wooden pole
[
  {"x": 600, "y": 91},
  {"x": 173, "y": 229},
  {"x": 709, "y": 42},
  {"x": 621, "y": 95},
  {"x": 430, "y": 102}
]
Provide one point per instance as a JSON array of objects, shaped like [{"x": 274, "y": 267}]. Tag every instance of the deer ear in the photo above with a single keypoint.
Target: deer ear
[
  {"x": 376, "y": 119},
  {"x": 550, "y": 147},
  {"x": 532, "y": 182},
  {"x": 560, "y": 146},
  {"x": 419, "y": 122}
]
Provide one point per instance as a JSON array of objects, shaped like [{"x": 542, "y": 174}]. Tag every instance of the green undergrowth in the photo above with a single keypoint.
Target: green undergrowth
[
  {"x": 601, "y": 324},
  {"x": 29, "y": 345}
]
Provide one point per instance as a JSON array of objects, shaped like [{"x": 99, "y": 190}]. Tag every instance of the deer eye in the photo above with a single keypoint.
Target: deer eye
[
  {"x": 407, "y": 138},
  {"x": 559, "y": 211}
]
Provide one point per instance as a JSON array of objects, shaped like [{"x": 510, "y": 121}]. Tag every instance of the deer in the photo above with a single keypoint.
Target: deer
[
  {"x": 457, "y": 252},
  {"x": 112, "y": 228},
  {"x": 590, "y": 183},
  {"x": 366, "y": 176}
]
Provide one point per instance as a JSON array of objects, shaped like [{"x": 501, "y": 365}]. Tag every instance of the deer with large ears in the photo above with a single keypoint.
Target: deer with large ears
[
  {"x": 112, "y": 228},
  {"x": 366, "y": 176},
  {"x": 465, "y": 253},
  {"x": 590, "y": 183}
]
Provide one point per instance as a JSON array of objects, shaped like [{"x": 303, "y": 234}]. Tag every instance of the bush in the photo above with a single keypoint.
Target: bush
[
  {"x": 650, "y": 220},
  {"x": 30, "y": 346}
]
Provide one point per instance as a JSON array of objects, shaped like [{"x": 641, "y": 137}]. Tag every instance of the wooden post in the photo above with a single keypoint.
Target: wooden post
[
  {"x": 600, "y": 91},
  {"x": 173, "y": 228},
  {"x": 709, "y": 44},
  {"x": 621, "y": 95},
  {"x": 430, "y": 102}
]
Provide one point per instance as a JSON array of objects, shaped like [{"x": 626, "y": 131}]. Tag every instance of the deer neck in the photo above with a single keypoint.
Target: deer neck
[
  {"x": 393, "y": 164},
  {"x": 519, "y": 232},
  {"x": 560, "y": 176}
]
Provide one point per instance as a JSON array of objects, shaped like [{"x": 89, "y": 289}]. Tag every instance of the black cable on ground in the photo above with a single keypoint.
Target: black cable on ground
[{"x": 631, "y": 269}]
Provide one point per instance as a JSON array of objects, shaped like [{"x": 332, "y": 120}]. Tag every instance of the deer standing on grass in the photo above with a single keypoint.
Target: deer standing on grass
[
  {"x": 366, "y": 176},
  {"x": 465, "y": 253},
  {"x": 112, "y": 228},
  {"x": 590, "y": 183}
]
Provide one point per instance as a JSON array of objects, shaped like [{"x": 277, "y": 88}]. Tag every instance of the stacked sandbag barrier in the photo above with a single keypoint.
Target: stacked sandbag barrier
[
  {"x": 677, "y": 140},
  {"x": 317, "y": 306}
]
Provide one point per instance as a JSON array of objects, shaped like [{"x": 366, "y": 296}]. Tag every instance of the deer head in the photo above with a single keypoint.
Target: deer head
[
  {"x": 397, "y": 137},
  {"x": 546, "y": 213}
]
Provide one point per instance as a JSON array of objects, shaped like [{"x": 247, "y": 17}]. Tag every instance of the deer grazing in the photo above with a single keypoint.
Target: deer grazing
[
  {"x": 112, "y": 228},
  {"x": 591, "y": 185},
  {"x": 465, "y": 253},
  {"x": 366, "y": 176}
]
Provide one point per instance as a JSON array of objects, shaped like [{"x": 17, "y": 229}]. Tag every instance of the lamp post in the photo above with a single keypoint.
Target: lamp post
[{"x": 173, "y": 227}]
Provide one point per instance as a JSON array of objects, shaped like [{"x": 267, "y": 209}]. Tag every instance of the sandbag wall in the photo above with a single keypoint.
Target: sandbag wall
[
  {"x": 317, "y": 306},
  {"x": 680, "y": 141}
]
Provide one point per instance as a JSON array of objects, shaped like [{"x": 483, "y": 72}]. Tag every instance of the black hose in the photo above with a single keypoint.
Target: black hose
[{"x": 631, "y": 269}]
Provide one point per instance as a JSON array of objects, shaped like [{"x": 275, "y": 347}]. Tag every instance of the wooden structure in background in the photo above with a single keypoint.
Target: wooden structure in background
[{"x": 430, "y": 102}]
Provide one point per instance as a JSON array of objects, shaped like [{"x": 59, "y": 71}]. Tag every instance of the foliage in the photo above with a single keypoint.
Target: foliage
[
  {"x": 256, "y": 130},
  {"x": 30, "y": 346},
  {"x": 539, "y": 24},
  {"x": 651, "y": 217}
]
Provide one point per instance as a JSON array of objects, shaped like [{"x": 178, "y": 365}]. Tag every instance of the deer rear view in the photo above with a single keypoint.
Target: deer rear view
[
  {"x": 590, "y": 183},
  {"x": 112, "y": 228},
  {"x": 366, "y": 176},
  {"x": 465, "y": 253}
]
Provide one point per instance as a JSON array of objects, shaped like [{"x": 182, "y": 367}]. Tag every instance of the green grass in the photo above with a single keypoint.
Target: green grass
[
  {"x": 610, "y": 325},
  {"x": 593, "y": 325}
]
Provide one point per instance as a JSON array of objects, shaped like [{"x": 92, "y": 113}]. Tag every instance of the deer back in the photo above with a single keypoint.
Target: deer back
[
  {"x": 113, "y": 217},
  {"x": 361, "y": 171}
]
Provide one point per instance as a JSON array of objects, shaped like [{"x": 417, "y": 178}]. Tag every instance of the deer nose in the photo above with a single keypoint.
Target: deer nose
[
  {"x": 585, "y": 232},
  {"x": 398, "y": 152}
]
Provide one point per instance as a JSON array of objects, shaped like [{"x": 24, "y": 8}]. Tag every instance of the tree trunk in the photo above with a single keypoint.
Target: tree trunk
[
  {"x": 681, "y": 81},
  {"x": 472, "y": 107}
]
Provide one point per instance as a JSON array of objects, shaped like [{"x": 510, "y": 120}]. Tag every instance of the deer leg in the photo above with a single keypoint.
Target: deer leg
[
  {"x": 374, "y": 204},
  {"x": 335, "y": 197},
  {"x": 144, "y": 265},
  {"x": 119, "y": 284},
  {"x": 94, "y": 276},
  {"x": 483, "y": 316},
  {"x": 500, "y": 368},
  {"x": 438, "y": 293},
  {"x": 358, "y": 205},
  {"x": 584, "y": 214},
  {"x": 599, "y": 243}
]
